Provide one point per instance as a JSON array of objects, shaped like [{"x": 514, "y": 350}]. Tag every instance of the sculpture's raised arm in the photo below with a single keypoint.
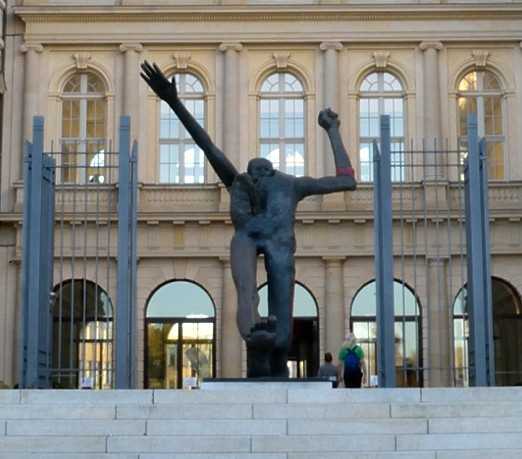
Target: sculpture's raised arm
[
  {"x": 167, "y": 91},
  {"x": 344, "y": 179}
]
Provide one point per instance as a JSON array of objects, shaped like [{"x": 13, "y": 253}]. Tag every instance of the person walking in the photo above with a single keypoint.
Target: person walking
[
  {"x": 351, "y": 356},
  {"x": 328, "y": 370}
]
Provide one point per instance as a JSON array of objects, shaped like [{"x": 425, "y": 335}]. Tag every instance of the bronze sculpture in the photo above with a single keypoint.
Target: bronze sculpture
[{"x": 263, "y": 205}]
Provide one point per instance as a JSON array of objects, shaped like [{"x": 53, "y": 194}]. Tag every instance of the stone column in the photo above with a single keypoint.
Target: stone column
[
  {"x": 231, "y": 125},
  {"x": 230, "y": 339},
  {"x": 438, "y": 313},
  {"x": 32, "y": 53},
  {"x": 130, "y": 96},
  {"x": 431, "y": 94},
  {"x": 330, "y": 93},
  {"x": 334, "y": 304}
]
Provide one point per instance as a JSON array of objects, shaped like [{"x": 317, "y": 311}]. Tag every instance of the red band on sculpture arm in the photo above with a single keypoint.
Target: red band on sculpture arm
[{"x": 345, "y": 171}]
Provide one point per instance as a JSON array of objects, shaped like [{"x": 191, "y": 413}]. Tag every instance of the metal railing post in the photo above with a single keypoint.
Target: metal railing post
[
  {"x": 383, "y": 236},
  {"x": 479, "y": 301}
]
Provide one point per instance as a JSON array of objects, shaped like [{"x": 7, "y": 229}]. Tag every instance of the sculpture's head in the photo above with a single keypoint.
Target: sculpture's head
[{"x": 260, "y": 167}]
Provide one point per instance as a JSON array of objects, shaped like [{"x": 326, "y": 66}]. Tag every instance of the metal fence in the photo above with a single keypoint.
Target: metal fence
[
  {"x": 423, "y": 217},
  {"x": 87, "y": 299}
]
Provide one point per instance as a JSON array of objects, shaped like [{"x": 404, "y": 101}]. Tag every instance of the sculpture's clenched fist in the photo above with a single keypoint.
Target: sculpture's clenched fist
[{"x": 328, "y": 119}]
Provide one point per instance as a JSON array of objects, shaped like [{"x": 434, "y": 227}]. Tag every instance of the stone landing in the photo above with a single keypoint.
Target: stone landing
[{"x": 278, "y": 423}]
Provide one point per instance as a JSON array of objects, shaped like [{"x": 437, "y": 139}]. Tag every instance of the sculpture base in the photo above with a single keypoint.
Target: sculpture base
[{"x": 266, "y": 383}]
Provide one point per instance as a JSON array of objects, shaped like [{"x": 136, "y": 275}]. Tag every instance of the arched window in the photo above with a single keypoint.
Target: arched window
[
  {"x": 507, "y": 335},
  {"x": 82, "y": 336},
  {"x": 180, "y": 159},
  {"x": 479, "y": 92},
  {"x": 381, "y": 93},
  {"x": 84, "y": 128},
  {"x": 180, "y": 336},
  {"x": 408, "y": 358},
  {"x": 303, "y": 358},
  {"x": 281, "y": 123}
]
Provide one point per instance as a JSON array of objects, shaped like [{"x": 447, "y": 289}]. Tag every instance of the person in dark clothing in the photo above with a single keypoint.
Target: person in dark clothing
[{"x": 329, "y": 370}]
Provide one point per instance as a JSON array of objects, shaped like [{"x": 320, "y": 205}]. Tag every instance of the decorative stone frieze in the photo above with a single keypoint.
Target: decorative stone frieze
[
  {"x": 480, "y": 57},
  {"x": 81, "y": 60},
  {"x": 181, "y": 60},
  {"x": 381, "y": 58},
  {"x": 281, "y": 59}
]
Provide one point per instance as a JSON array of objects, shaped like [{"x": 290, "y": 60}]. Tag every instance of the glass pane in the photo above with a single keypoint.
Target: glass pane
[
  {"x": 94, "y": 84},
  {"x": 271, "y": 84},
  {"x": 366, "y": 162},
  {"x": 495, "y": 160},
  {"x": 294, "y": 117},
  {"x": 192, "y": 84},
  {"x": 466, "y": 105},
  {"x": 304, "y": 302},
  {"x": 198, "y": 330},
  {"x": 197, "y": 363},
  {"x": 71, "y": 119},
  {"x": 169, "y": 163},
  {"x": 270, "y": 151},
  {"x": 294, "y": 159},
  {"x": 493, "y": 115},
  {"x": 292, "y": 84},
  {"x": 491, "y": 81},
  {"x": 170, "y": 380},
  {"x": 469, "y": 82},
  {"x": 370, "y": 83},
  {"x": 180, "y": 299},
  {"x": 73, "y": 85},
  {"x": 390, "y": 83}
]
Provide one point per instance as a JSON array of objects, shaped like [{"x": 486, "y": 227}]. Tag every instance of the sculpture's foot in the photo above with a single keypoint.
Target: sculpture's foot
[{"x": 260, "y": 343}]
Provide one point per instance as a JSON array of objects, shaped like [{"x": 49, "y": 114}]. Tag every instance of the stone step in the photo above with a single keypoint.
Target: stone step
[{"x": 253, "y": 423}]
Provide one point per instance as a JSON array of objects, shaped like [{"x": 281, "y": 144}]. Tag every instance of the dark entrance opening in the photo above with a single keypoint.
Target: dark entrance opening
[{"x": 303, "y": 359}]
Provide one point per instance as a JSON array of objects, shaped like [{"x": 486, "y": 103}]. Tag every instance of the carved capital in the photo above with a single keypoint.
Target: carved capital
[
  {"x": 234, "y": 46},
  {"x": 137, "y": 47},
  {"x": 480, "y": 57},
  {"x": 436, "y": 45},
  {"x": 181, "y": 60},
  {"x": 281, "y": 59},
  {"x": 28, "y": 46},
  {"x": 335, "y": 45},
  {"x": 81, "y": 60},
  {"x": 381, "y": 58}
]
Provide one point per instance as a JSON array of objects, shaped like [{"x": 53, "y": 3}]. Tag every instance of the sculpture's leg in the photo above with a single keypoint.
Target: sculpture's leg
[
  {"x": 243, "y": 262},
  {"x": 280, "y": 267}
]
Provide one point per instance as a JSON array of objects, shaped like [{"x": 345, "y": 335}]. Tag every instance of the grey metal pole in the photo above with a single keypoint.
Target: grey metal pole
[
  {"x": 479, "y": 280},
  {"x": 384, "y": 258},
  {"x": 123, "y": 303}
]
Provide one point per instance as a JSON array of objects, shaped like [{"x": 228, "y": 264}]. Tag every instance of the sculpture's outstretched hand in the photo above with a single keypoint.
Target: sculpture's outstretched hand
[
  {"x": 328, "y": 119},
  {"x": 158, "y": 82}
]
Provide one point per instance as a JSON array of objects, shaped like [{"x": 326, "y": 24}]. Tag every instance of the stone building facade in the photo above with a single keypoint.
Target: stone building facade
[{"x": 425, "y": 63}]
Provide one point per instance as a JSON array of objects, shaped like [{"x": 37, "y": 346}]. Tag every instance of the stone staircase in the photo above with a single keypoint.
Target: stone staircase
[{"x": 262, "y": 423}]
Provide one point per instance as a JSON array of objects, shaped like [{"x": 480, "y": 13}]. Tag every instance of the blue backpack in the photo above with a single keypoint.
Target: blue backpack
[{"x": 351, "y": 361}]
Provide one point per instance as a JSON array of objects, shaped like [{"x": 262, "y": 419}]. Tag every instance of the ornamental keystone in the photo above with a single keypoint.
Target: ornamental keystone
[
  {"x": 181, "y": 60},
  {"x": 381, "y": 59},
  {"x": 281, "y": 59},
  {"x": 81, "y": 60},
  {"x": 480, "y": 57}
]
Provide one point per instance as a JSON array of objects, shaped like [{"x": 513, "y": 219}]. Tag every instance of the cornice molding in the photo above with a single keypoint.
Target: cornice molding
[{"x": 214, "y": 13}]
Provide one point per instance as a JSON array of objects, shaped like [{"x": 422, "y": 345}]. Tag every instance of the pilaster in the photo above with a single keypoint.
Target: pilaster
[
  {"x": 334, "y": 303},
  {"x": 231, "y": 125},
  {"x": 130, "y": 102},
  {"x": 32, "y": 53}
]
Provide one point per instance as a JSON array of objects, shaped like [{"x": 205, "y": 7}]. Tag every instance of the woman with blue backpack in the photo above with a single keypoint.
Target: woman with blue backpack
[{"x": 351, "y": 356}]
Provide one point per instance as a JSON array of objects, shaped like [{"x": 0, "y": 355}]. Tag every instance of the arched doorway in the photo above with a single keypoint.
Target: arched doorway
[
  {"x": 82, "y": 336},
  {"x": 180, "y": 336},
  {"x": 507, "y": 335},
  {"x": 303, "y": 358},
  {"x": 408, "y": 332}
]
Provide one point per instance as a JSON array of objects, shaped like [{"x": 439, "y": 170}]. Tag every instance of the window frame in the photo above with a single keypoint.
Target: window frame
[
  {"x": 381, "y": 94},
  {"x": 185, "y": 138},
  {"x": 282, "y": 141}
]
